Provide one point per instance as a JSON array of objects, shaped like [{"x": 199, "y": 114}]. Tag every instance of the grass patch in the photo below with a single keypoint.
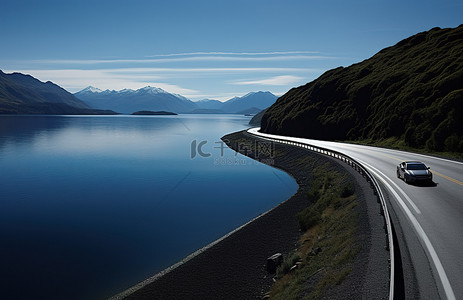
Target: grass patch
[
  {"x": 288, "y": 262},
  {"x": 326, "y": 248}
]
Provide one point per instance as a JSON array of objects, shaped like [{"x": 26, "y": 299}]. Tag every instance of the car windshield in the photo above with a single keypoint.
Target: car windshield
[{"x": 416, "y": 167}]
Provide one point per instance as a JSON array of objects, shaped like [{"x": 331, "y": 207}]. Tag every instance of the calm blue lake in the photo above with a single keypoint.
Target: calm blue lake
[{"x": 91, "y": 205}]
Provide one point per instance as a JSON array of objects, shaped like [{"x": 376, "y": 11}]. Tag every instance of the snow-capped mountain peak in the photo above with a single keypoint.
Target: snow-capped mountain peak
[
  {"x": 152, "y": 90},
  {"x": 129, "y": 101},
  {"x": 157, "y": 99},
  {"x": 91, "y": 89},
  {"x": 146, "y": 89}
]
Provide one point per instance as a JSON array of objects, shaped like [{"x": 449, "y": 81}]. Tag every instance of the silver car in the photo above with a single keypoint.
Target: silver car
[{"x": 413, "y": 171}]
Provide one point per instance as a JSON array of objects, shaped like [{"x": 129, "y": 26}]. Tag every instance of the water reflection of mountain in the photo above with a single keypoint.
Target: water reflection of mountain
[{"x": 20, "y": 130}]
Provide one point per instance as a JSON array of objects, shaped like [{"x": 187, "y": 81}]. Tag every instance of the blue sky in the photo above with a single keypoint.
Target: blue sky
[{"x": 204, "y": 49}]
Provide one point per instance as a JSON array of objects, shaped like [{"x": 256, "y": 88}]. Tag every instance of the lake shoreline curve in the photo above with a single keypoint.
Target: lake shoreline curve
[{"x": 233, "y": 266}]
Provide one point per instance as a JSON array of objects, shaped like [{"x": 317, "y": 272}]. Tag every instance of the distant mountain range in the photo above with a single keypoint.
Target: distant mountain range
[
  {"x": 129, "y": 101},
  {"x": 250, "y": 103},
  {"x": 156, "y": 99},
  {"x": 24, "y": 94},
  {"x": 410, "y": 94},
  {"x": 209, "y": 104}
]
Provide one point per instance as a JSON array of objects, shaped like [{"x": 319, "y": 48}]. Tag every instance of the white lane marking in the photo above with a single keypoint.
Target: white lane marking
[
  {"x": 417, "y": 210},
  {"x": 427, "y": 243},
  {"x": 410, "y": 201},
  {"x": 420, "y": 231},
  {"x": 304, "y": 140},
  {"x": 351, "y": 147}
]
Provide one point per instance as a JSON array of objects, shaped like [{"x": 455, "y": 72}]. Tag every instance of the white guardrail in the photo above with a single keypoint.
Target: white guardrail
[{"x": 360, "y": 169}]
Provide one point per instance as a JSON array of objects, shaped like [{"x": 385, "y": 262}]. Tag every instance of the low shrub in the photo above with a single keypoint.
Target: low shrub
[
  {"x": 288, "y": 262},
  {"x": 347, "y": 190},
  {"x": 308, "y": 217}
]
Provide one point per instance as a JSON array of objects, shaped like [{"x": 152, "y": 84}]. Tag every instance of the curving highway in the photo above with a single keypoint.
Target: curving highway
[{"x": 428, "y": 219}]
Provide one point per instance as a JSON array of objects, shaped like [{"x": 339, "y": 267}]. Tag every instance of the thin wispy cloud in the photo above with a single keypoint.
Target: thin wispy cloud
[
  {"x": 173, "y": 80},
  {"x": 149, "y": 74},
  {"x": 98, "y": 72},
  {"x": 75, "y": 80},
  {"x": 173, "y": 88},
  {"x": 210, "y": 70},
  {"x": 192, "y": 74},
  {"x": 277, "y": 80},
  {"x": 234, "y": 53},
  {"x": 218, "y": 96},
  {"x": 200, "y": 58}
]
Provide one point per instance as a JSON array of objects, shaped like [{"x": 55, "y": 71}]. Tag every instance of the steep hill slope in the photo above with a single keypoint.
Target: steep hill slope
[
  {"x": 250, "y": 103},
  {"x": 209, "y": 104},
  {"x": 24, "y": 94},
  {"x": 260, "y": 100},
  {"x": 412, "y": 91},
  {"x": 255, "y": 121}
]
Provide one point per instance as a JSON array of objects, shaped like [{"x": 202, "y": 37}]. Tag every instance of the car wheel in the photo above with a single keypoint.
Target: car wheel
[
  {"x": 398, "y": 174},
  {"x": 405, "y": 179}
]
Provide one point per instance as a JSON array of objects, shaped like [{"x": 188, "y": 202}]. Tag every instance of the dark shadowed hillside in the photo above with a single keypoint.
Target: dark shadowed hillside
[
  {"x": 24, "y": 94},
  {"x": 412, "y": 91},
  {"x": 255, "y": 121}
]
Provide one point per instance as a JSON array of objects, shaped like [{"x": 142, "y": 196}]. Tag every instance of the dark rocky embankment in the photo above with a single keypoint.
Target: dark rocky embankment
[{"x": 235, "y": 268}]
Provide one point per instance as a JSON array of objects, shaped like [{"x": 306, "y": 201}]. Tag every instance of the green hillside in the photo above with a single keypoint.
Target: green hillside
[{"x": 412, "y": 92}]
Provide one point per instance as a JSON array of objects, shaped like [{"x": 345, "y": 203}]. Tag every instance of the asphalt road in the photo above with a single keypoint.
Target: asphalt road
[{"x": 427, "y": 218}]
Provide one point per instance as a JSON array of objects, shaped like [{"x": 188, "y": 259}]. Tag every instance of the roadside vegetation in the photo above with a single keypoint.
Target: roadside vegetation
[
  {"x": 327, "y": 246},
  {"x": 325, "y": 253},
  {"x": 399, "y": 144}
]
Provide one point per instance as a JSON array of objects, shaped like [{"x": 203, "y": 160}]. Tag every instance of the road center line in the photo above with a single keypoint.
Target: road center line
[
  {"x": 409, "y": 200},
  {"x": 424, "y": 155},
  {"x": 397, "y": 159},
  {"x": 446, "y": 177},
  {"x": 360, "y": 148},
  {"x": 420, "y": 231}
]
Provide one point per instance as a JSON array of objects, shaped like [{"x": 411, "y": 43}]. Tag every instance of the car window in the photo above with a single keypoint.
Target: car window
[{"x": 416, "y": 167}]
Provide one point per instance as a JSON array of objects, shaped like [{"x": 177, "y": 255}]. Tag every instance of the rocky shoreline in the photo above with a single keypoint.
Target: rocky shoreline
[{"x": 234, "y": 267}]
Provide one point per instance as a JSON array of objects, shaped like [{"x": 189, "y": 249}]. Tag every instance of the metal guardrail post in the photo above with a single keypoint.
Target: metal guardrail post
[{"x": 376, "y": 190}]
